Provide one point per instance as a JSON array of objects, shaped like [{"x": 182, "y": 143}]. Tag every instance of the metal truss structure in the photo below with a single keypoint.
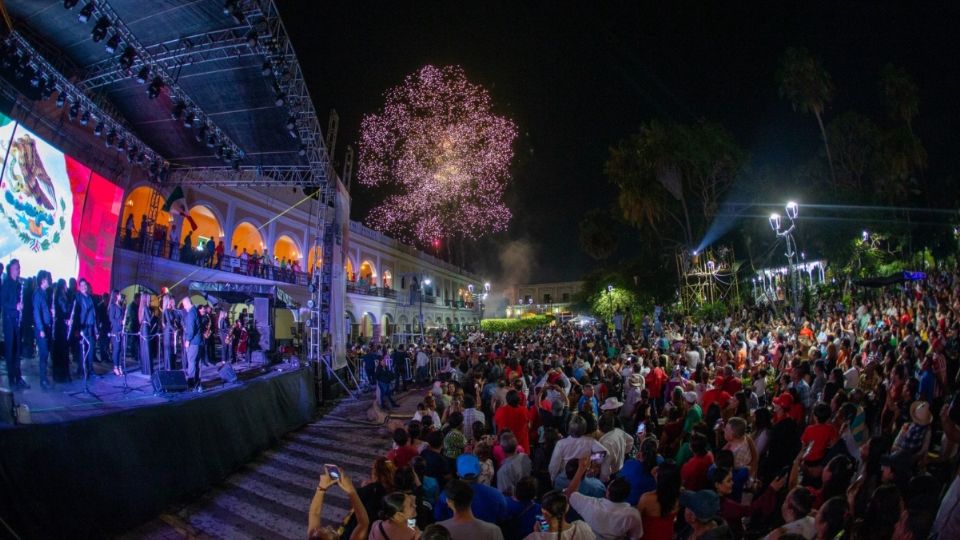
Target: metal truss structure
[
  {"x": 274, "y": 176},
  {"x": 708, "y": 276},
  {"x": 100, "y": 111},
  {"x": 146, "y": 59}
]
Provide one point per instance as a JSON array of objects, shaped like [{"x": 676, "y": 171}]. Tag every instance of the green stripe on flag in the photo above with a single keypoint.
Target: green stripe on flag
[{"x": 175, "y": 196}]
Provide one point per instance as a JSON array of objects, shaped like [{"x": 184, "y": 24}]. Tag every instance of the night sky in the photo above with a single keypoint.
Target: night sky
[{"x": 577, "y": 77}]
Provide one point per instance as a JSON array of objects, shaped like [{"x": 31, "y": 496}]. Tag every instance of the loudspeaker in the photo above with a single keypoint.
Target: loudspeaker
[
  {"x": 169, "y": 380},
  {"x": 227, "y": 374}
]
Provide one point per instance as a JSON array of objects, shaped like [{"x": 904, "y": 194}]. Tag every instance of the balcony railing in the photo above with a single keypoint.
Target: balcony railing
[
  {"x": 359, "y": 228},
  {"x": 173, "y": 251},
  {"x": 368, "y": 290}
]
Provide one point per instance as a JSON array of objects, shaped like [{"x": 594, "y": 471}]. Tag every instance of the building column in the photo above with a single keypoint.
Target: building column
[{"x": 228, "y": 226}]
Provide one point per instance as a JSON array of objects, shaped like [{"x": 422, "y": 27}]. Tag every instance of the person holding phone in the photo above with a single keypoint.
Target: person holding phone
[
  {"x": 398, "y": 518},
  {"x": 329, "y": 477},
  {"x": 552, "y": 523}
]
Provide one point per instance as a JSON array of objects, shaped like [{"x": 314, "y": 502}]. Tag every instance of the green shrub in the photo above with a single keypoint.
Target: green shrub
[{"x": 514, "y": 325}]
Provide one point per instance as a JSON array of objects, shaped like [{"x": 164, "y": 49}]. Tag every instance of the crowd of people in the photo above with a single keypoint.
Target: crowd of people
[
  {"x": 65, "y": 323},
  {"x": 844, "y": 423}
]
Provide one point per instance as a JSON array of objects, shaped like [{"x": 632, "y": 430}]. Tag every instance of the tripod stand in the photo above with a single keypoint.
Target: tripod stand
[
  {"x": 122, "y": 343},
  {"x": 84, "y": 360}
]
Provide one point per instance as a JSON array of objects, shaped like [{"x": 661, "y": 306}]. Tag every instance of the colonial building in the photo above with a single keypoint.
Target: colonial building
[{"x": 542, "y": 298}]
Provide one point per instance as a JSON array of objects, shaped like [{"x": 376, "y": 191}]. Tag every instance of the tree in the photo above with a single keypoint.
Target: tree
[
  {"x": 666, "y": 168},
  {"x": 598, "y": 234},
  {"x": 444, "y": 153},
  {"x": 901, "y": 95},
  {"x": 857, "y": 145},
  {"x": 808, "y": 87}
]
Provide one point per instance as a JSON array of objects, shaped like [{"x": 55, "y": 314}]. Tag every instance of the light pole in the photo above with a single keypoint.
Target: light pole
[
  {"x": 793, "y": 210},
  {"x": 424, "y": 283}
]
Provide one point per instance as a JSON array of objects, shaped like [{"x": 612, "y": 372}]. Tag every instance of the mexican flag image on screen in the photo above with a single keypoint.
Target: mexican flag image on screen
[{"x": 55, "y": 213}]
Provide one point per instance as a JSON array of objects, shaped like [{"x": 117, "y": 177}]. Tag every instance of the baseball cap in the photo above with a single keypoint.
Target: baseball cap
[{"x": 467, "y": 465}]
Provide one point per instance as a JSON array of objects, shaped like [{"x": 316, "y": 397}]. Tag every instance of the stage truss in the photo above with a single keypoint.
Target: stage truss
[{"x": 708, "y": 276}]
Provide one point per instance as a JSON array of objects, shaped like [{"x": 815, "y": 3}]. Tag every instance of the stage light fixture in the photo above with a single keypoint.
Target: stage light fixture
[
  {"x": 70, "y": 4},
  {"x": 281, "y": 99},
  {"x": 177, "y": 110},
  {"x": 227, "y": 155},
  {"x": 141, "y": 157},
  {"x": 127, "y": 58},
  {"x": 291, "y": 123},
  {"x": 211, "y": 141},
  {"x": 235, "y": 164},
  {"x": 85, "y": 118},
  {"x": 99, "y": 31},
  {"x": 252, "y": 38},
  {"x": 188, "y": 119},
  {"x": 220, "y": 151},
  {"x": 156, "y": 86},
  {"x": 303, "y": 149},
  {"x": 201, "y": 134},
  {"x": 74, "y": 110},
  {"x": 86, "y": 13},
  {"x": 113, "y": 43},
  {"x": 46, "y": 90},
  {"x": 35, "y": 80},
  {"x": 143, "y": 74},
  {"x": 122, "y": 145},
  {"x": 111, "y": 138},
  {"x": 228, "y": 6},
  {"x": 98, "y": 129},
  {"x": 267, "y": 68},
  {"x": 131, "y": 154},
  {"x": 61, "y": 99}
]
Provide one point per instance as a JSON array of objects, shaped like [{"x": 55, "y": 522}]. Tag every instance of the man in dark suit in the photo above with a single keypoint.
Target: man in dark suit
[
  {"x": 42, "y": 324},
  {"x": 12, "y": 304},
  {"x": 115, "y": 314},
  {"x": 192, "y": 338}
]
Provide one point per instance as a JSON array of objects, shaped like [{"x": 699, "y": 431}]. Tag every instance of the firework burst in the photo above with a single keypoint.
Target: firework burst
[{"x": 445, "y": 155}]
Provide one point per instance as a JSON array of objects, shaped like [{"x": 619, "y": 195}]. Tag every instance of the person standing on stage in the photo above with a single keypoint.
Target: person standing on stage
[
  {"x": 223, "y": 330},
  {"x": 11, "y": 299},
  {"x": 42, "y": 324},
  {"x": 115, "y": 315},
  {"x": 87, "y": 330},
  {"x": 169, "y": 319},
  {"x": 61, "y": 333},
  {"x": 144, "y": 317},
  {"x": 204, "y": 313},
  {"x": 103, "y": 327},
  {"x": 192, "y": 337}
]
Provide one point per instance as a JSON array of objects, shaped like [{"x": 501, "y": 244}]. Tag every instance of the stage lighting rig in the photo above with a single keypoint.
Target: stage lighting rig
[
  {"x": 177, "y": 110},
  {"x": 303, "y": 149},
  {"x": 143, "y": 74},
  {"x": 122, "y": 145},
  {"x": 99, "y": 31},
  {"x": 201, "y": 133},
  {"x": 156, "y": 86},
  {"x": 189, "y": 119},
  {"x": 127, "y": 58},
  {"x": 98, "y": 129},
  {"x": 86, "y": 12},
  {"x": 252, "y": 38},
  {"x": 85, "y": 118},
  {"x": 113, "y": 44},
  {"x": 111, "y": 138},
  {"x": 61, "y": 100},
  {"x": 74, "y": 110},
  {"x": 70, "y": 4},
  {"x": 266, "y": 69}
]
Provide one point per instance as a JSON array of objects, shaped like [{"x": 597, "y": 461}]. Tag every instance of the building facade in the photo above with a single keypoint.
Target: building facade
[{"x": 541, "y": 298}]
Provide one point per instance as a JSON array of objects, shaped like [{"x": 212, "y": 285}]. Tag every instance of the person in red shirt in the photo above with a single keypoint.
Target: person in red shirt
[
  {"x": 655, "y": 381},
  {"x": 821, "y": 435},
  {"x": 693, "y": 474},
  {"x": 515, "y": 418},
  {"x": 404, "y": 453},
  {"x": 716, "y": 395}
]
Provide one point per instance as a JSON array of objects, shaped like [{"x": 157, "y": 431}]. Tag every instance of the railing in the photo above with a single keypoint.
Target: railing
[
  {"x": 359, "y": 228},
  {"x": 161, "y": 247},
  {"x": 368, "y": 290}
]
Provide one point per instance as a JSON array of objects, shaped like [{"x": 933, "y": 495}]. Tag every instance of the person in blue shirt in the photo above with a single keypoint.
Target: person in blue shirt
[
  {"x": 488, "y": 504},
  {"x": 588, "y": 399},
  {"x": 522, "y": 510},
  {"x": 589, "y": 486},
  {"x": 638, "y": 474},
  {"x": 928, "y": 381}
]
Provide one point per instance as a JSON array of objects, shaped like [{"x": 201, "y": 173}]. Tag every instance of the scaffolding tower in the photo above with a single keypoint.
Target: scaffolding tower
[{"x": 708, "y": 276}]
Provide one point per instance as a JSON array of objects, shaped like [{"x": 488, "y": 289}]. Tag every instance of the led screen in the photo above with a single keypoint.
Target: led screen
[{"x": 55, "y": 213}]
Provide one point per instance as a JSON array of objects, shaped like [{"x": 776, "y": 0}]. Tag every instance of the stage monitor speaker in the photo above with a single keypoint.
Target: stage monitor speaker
[
  {"x": 7, "y": 405},
  {"x": 227, "y": 374},
  {"x": 165, "y": 381}
]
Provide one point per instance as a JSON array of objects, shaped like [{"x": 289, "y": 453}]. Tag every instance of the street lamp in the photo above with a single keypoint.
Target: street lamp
[
  {"x": 426, "y": 283},
  {"x": 793, "y": 210}
]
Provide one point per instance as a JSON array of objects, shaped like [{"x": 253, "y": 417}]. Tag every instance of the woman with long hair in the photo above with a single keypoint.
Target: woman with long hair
[
  {"x": 168, "y": 317},
  {"x": 145, "y": 317},
  {"x": 658, "y": 508},
  {"x": 733, "y": 512},
  {"x": 831, "y": 520},
  {"x": 553, "y": 509}
]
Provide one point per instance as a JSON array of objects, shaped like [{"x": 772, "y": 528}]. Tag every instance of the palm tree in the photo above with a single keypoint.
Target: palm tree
[
  {"x": 808, "y": 87},
  {"x": 598, "y": 233},
  {"x": 901, "y": 94}
]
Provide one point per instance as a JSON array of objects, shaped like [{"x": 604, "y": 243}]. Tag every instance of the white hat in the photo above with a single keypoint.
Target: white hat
[
  {"x": 611, "y": 404},
  {"x": 691, "y": 397}
]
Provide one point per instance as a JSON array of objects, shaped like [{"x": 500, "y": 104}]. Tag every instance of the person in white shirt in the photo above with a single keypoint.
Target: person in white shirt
[
  {"x": 611, "y": 517},
  {"x": 796, "y": 513},
  {"x": 423, "y": 366},
  {"x": 514, "y": 466},
  {"x": 575, "y": 446},
  {"x": 553, "y": 509},
  {"x": 615, "y": 440}
]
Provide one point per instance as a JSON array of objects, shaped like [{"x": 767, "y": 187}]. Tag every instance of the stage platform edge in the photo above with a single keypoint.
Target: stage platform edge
[{"x": 98, "y": 476}]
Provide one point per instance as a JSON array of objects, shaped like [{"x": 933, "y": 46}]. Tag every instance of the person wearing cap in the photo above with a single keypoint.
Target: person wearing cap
[
  {"x": 694, "y": 412},
  {"x": 487, "y": 503},
  {"x": 459, "y": 500},
  {"x": 784, "y": 440},
  {"x": 702, "y": 514},
  {"x": 611, "y": 517}
]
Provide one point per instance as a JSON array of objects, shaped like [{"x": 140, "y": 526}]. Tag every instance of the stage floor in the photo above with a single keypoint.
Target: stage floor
[{"x": 109, "y": 393}]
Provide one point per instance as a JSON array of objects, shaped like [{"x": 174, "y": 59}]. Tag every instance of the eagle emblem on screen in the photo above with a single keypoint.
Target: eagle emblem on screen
[{"x": 29, "y": 199}]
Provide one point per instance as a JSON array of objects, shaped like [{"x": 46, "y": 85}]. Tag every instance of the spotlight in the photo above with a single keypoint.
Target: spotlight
[
  {"x": 177, "y": 110},
  {"x": 46, "y": 90},
  {"x": 127, "y": 58},
  {"x": 122, "y": 145},
  {"x": 70, "y": 4},
  {"x": 211, "y": 141},
  {"x": 267, "y": 68},
  {"x": 85, "y": 118},
  {"x": 281, "y": 98},
  {"x": 35, "y": 80},
  {"x": 143, "y": 74},
  {"x": 99, "y": 31},
  {"x": 74, "y": 110},
  {"x": 156, "y": 86},
  {"x": 141, "y": 157},
  {"x": 188, "y": 120},
  {"x": 228, "y": 6},
  {"x": 201, "y": 134},
  {"x": 220, "y": 151},
  {"x": 86, "y": 13},
  {"x": 113, "y": 43},
  {"x": 98, "y": 130},
  {"x": 227, "y": 154},
  {"x": 291, "y": 123},
  {"x": 131, "y": 154},
  {"x": 61, "y": 99},
  {"x": 303, "y": 149},
  {"x": 252, "y": 38},
  {"x": 111, "y": 138}
]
